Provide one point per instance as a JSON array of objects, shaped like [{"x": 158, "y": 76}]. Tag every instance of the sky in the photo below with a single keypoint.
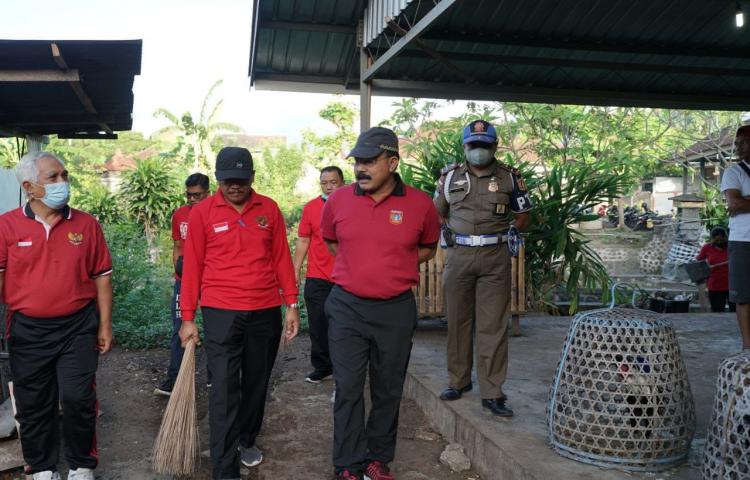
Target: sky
[{"x": 187, "y": 46}]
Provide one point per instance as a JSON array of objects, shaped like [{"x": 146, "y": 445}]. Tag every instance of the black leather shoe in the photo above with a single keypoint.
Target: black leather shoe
[
  {"x": 451, "y": 393},
  {"x": 497, "y": 407}
]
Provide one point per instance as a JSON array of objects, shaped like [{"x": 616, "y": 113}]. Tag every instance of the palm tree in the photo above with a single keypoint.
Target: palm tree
[{"x": 196, "y": 137}]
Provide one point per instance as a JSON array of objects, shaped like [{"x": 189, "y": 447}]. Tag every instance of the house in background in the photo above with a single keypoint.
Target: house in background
[
  {"x": 704, "y": 161},
  {"x": 113, "y": 169}
]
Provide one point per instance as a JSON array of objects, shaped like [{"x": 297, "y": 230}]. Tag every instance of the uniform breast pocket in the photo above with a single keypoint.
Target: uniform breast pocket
[
  {"x": 22, "y": 253},
  {"x": 500, "y": 203}
]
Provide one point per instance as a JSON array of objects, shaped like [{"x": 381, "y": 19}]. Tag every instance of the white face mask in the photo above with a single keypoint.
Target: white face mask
[{"x": 478, "y": 157}]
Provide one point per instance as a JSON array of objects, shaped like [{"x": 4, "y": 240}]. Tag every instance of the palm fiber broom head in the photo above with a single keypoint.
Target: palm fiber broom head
[{"x": 176, "y": 448}]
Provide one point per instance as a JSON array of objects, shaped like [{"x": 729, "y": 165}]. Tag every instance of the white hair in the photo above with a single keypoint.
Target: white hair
[{"x": 27, "y": 171}]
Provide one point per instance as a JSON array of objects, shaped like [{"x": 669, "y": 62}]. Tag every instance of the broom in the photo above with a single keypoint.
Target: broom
[{"x": 176, "y": 447}]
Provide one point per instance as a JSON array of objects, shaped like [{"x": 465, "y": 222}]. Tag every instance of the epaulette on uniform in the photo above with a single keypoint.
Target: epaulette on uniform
[
  {"x": 448, "y": 168},
  {"x": 517, "y": 174}
]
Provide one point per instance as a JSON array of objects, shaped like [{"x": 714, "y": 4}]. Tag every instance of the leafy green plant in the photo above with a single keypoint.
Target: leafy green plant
[
  {"x": 714, "y": 213},
  {"x": 150, "y": 194},
  {"x": 142, "y": 289},
  {"x": 557, "y": 253},
  {"x": 99, "y": 202}
]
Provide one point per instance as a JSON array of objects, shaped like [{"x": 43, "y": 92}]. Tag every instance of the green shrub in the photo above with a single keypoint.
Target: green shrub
[{"x": 142, "y": 290}]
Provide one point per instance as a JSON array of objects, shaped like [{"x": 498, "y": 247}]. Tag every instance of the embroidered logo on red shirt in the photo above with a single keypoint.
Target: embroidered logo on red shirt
[
  {"x": 25, "y": 242},
  {"x": 183, "y": 230},
  {"x": 75, "y": 238},
  {"x": 397, "y": 217},
  {"x": 221, "y": 227},
  {"x": 262, "y": 221}
]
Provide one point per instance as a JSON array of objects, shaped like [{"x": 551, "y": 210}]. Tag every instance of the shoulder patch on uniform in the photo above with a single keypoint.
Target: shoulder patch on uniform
[
  {"x": 517, "y": 174},
  {"x": 448, "y": 168}
]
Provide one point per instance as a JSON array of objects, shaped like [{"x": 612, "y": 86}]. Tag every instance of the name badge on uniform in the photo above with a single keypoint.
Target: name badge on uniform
[
  {"x": 500, "y": 209},
  {"x": 25, "y": 243},
  {"x": 221, "y": 227}
]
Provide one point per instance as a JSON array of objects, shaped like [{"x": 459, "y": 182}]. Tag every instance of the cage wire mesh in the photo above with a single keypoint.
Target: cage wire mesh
[
  {"x": 727, "y": 452},
  {"x": 621, "y": 397}
]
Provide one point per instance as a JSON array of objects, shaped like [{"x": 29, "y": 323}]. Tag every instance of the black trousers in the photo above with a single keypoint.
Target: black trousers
[
  {"x": 375, "y": 336},
  {"x": 55, "y": 359},
  {"x": 241, "y": 347},
  {"x": 719, "y": 299},
  {"x": 316, "y": 293},
  {"x": 175, "y": 345}
]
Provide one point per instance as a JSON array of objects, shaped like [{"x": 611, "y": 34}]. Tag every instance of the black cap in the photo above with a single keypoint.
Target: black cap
[
  {"x": 373, "y": 142},
  {"x": 234, "y": 162}
]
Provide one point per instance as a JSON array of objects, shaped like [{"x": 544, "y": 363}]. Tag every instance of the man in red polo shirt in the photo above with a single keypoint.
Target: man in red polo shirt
[
  {"x": 196, "y": 189},
  {"x": 237, "y": 263},
  {"x": 379, "y": 229},
  {"x": 318, "y": 282},
  {"x": 55, "y": 276}
]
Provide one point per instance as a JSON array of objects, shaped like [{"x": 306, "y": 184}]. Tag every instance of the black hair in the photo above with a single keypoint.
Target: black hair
[
  {"x": 716, "y": 231},
  {"x": 197, "y": 179},
  {"x": 332, "y": 168}
]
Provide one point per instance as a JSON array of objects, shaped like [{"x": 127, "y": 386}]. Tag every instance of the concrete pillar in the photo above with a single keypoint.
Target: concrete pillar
[{"x": 365, "y": 92}]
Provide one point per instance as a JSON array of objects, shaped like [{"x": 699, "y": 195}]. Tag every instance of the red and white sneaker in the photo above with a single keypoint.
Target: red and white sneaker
[{"x": 378, "y": 471}]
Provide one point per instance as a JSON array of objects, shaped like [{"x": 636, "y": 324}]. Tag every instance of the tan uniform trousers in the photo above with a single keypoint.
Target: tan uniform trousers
[{"x": 476, "y": 283}]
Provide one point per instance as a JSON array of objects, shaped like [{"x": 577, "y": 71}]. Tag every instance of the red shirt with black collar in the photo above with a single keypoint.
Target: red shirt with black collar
[
  {"x": 236, "y": 261},
  {"x": 51, "y": 271},
  {"x": 378, "y": 243}
]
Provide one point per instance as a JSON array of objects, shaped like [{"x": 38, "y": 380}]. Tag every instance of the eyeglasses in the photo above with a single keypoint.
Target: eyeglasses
[{"x": 239, "y": 182}]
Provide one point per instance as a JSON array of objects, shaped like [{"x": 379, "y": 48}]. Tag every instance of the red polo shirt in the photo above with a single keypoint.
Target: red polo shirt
[
  {"x": 50, "y": 272},
  {"x": 378, "y": 243},
  {"x": 319, "y": 259},
  {"x": 180, "y": 225},
  {"x": 236, "y": 261},
  {"x": 180, "y": 222}
]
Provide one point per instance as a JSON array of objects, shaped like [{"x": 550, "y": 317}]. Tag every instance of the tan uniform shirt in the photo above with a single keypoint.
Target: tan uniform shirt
[{"x": 483, "y": 205}]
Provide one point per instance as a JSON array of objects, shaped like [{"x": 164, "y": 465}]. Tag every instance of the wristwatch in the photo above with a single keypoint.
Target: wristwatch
[{"x": 293, "y": 305}]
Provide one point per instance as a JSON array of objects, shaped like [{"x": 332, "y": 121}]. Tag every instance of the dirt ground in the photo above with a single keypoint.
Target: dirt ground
[{"x": 297, "y": 434}]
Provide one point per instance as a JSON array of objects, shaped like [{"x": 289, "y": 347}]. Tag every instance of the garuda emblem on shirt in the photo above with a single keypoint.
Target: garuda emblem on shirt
[{"x": 75, "y": 238}]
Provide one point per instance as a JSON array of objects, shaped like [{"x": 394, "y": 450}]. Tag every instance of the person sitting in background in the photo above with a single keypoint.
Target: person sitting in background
[{"x": 717, "y": 256}]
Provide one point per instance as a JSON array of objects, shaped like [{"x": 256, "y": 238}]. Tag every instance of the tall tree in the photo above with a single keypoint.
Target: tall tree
[{"x": 195, "y": 136}]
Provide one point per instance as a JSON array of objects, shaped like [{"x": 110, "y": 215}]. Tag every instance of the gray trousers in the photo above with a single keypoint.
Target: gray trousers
[{"x": 376, "y": 336}]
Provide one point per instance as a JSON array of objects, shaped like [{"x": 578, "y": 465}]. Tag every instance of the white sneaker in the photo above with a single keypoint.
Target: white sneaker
[
  {"x": 46, "y": 475},
  {"x": 81, "y": 474}
]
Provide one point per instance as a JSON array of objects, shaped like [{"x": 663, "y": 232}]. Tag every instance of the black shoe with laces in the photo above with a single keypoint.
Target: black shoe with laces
[
  {"x": 452, "y": 393},
  {"x": 497, "y": 407}
]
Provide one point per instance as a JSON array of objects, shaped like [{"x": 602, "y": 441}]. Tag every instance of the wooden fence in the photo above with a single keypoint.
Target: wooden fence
[{"x": 429, "y": 292}]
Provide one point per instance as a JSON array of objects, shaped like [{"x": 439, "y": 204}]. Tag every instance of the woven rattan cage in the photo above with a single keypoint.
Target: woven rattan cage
[
  {"x": 621, "y": 397},
  {"x": 727, "y": 452}
]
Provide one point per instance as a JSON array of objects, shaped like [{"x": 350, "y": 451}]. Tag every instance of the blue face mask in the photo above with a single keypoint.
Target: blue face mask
[
  {"x": 479, "y": 157},
  {"x": 56, "y": 195},
  {"x": 324, "y": 196}
]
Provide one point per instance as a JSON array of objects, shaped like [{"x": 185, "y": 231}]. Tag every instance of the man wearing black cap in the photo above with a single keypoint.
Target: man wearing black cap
[
  {"x": 479, "y": 200},
  {"x": 735, "y": 184},
  {"x": 379, "y": 229},
  {"x": 237, "y": 263}
]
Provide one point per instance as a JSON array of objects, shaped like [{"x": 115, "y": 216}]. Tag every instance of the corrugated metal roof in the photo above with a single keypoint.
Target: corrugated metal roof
[
  {"x": 106, "y": 70},
  {"x": 667, "y": 53}
]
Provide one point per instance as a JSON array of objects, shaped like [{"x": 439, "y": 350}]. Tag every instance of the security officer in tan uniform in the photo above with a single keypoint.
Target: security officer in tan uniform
[{"x": 482, "y": 202}]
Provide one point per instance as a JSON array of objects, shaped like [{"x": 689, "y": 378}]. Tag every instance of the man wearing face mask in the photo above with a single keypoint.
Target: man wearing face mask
[
  {"x": 55, "y": 276},
  {"x": 318, "y": 282},
  {"x": 379, "y": 230},
  {"x": 479, "y": 200},
  {"x": 237, "y": 264}
]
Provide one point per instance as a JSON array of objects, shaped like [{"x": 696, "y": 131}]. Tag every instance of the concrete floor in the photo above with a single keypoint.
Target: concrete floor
[{"x": 518, "y": 448}]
